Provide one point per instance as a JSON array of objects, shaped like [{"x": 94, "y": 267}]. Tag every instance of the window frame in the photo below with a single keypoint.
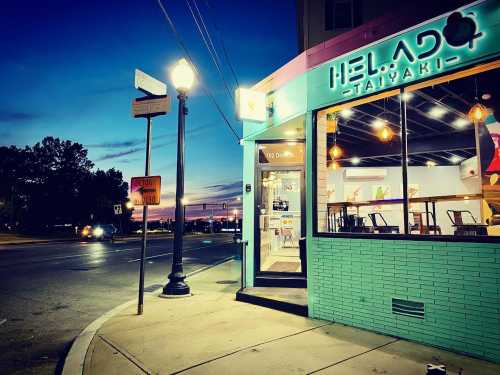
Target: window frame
[{"x": 488, "y": 65}]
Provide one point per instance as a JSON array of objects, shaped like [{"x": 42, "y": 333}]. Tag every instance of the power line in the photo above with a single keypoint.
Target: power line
[
  {"x": 209, "y": 45},
  {"x": 188, "y": 55},
  {"x": 221, "y": 39}
]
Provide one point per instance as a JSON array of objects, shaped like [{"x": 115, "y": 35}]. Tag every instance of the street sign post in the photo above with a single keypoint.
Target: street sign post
[
  {"x": 146, "y": 190},
  {"x": 148, "y": 84},
  {"x": 150, "y": 107},
  {"x": 118, "y": 209}
]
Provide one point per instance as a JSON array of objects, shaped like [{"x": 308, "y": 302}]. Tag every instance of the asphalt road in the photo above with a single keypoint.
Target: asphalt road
[{"x": 50, "y": 292}]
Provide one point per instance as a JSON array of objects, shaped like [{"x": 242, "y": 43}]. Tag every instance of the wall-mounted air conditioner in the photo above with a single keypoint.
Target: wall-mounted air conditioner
[
  {"x": 365, "y": 173},
  {"x": 468, "y": 168}
]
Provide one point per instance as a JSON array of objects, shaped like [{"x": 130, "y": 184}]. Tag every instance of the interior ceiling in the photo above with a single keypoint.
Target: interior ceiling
[{"x": 433, "y": 138}]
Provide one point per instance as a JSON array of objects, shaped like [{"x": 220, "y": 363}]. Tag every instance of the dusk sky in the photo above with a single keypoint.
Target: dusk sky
[{"x": 67, "y": 71}]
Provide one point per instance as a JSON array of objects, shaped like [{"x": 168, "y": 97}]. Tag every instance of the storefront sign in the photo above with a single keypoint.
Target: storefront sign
[
  {"x": 461, "y": 38},
  {"x": 286, "y": 153},
  {"x": 250, "y": 105},
  {"x": 411, "y": 56}
]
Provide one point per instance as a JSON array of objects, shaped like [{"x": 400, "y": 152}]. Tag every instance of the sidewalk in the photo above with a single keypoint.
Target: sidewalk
[{"x": 211, "y": 333}]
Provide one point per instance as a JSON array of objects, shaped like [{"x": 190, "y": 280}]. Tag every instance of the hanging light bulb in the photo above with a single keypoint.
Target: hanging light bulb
[
  {"x": 478, "y": 113},
  {"x": 385, "y": 134},
  {"x": 336, "y": 152}
]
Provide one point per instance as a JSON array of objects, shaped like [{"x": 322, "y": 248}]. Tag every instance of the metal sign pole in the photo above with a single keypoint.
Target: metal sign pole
[{"x": 140, "y": 307}]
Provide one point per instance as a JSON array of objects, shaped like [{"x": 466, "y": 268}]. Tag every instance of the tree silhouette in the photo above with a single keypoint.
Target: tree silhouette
[{"x": 53, "y": 183}]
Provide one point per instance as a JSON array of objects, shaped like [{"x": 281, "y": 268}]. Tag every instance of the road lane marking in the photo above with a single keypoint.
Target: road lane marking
[
  {"x": 184, "y": 251},
  {"x": 2, "y": 321},
  {"x": 89, "y": 253}
]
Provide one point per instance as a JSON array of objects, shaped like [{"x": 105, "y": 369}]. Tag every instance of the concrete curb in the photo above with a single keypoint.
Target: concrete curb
[{"x": 75, "y": 359}]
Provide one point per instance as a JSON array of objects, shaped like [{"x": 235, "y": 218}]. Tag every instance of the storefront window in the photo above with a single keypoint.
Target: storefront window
[
  {"x": 452, "y": 184},
  {"x": 453, "y": 158},
  {"x": 359, "y": 167}
]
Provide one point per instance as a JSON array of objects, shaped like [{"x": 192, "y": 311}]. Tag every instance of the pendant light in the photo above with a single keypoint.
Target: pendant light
[
  {"x": 478, "y": 112},
  {"x": 385, "y": 133}
]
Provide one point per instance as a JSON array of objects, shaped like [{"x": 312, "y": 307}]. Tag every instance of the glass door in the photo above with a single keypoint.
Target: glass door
[{"x": 280, "y": 220}]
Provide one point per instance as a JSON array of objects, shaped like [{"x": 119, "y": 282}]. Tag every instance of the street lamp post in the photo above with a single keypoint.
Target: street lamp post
[{"x": 183, "y": 79}]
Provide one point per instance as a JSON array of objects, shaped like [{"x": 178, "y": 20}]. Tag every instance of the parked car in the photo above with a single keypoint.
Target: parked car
[{"x": 99, "y": 232}]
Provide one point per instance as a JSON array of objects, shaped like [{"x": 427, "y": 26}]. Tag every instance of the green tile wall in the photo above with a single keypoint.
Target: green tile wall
[{"x": 353, "y": 281}]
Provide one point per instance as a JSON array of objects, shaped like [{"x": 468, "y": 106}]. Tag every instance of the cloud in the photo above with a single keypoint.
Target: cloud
[
  {"x": 132, "y": 142},
  {"x": 238, "y": 185},
  {"x": 115, "y": 155},
  {"x": 13, "y": 116},
  {"x": 121, "y": 144},
  {"x": 128, "y": 161},
  {"x": 119, "y": 154}
]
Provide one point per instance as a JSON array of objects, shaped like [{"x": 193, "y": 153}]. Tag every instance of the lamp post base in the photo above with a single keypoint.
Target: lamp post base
[{"x": 176, "y": 286}]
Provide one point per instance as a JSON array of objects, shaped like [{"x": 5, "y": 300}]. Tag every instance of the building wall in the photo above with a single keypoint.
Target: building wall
[
  {"x": 353, "y": 281},
  {"x": 311, "y": 29}
]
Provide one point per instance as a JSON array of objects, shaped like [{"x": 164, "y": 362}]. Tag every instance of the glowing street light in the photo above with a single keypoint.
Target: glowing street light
[{"x": 183, "y": 78}]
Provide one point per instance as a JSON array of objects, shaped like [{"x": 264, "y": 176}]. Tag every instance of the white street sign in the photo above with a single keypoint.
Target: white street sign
[
  {"x": 145, "y": 107},
  {"x": 148, "y": 84},
  {"x": 118, "y": 209}
]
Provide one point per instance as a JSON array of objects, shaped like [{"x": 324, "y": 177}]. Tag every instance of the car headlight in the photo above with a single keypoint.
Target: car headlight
[{"x": 98, "y": 232}]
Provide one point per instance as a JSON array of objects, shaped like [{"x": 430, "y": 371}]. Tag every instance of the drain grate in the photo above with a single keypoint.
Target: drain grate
[
  {"x": 152, "y": 288},
  {"x": 408, "y": 308},
  {"x": 226, "y": 282}
]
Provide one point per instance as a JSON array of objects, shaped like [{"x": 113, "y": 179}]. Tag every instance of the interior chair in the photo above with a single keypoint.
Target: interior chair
[
  {"x": 419, "y": 226},
  {"x": 466, "y": 229},
  {"x": 382, "y": 226}
]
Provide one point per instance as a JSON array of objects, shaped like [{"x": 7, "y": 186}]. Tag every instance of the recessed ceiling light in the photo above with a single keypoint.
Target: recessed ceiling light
[
  {"x": 378, "y": 123},
  {"x": 406, "y": 96},
  {"x": 346, "y": 113},
  {"x": 437, "y": 111},
  {"x": 355, "y": 160},
  {"x": 290, "y": 133},
  {"x": 461, "y": 122},
  {"x": 430, "y": 163},
  {"x": 455, "y": 159}
]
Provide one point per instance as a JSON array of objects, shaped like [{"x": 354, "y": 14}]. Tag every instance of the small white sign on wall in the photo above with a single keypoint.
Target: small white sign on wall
[{"x": 251, "y": 105}]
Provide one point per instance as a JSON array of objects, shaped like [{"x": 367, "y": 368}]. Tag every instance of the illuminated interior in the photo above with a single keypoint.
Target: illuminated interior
[{"x": 452, "y": 161}]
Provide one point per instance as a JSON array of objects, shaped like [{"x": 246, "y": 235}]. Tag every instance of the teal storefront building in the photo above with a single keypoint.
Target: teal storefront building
[{"x": 370, "y": 179}]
